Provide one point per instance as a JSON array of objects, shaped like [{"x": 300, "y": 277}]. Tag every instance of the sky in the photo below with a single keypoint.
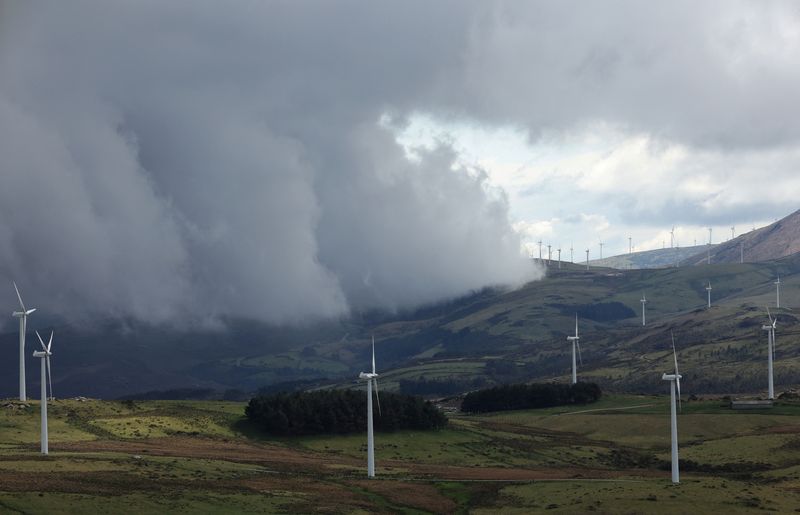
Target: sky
[{"x": 288, "y": 161}]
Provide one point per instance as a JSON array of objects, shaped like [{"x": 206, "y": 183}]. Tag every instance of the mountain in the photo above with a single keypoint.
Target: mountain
[
  {"x": 659, "y": 258},
  {"x": 774, "y": 241}
]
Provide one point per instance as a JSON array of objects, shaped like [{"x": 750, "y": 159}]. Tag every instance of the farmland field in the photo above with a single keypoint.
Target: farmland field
[{"x": 195, "y": 456}]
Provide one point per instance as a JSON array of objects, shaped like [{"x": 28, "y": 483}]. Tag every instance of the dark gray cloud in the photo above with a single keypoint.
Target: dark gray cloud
[{"x": 204, "y": 160}]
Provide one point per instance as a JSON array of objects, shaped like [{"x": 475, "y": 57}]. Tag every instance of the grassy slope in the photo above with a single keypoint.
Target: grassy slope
[{"x": 199, "y": 457}]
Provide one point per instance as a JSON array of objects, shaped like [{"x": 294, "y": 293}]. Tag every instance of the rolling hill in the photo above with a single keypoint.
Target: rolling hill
[{"x": 489, "y": 337}]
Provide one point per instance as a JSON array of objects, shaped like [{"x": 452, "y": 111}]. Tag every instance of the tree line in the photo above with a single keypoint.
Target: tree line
[
  {"x": 528, "y": 396},
  {"x": 340, "y": 411}
]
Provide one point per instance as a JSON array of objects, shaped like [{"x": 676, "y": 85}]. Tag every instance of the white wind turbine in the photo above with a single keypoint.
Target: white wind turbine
[
  {"x": 370, "y": 377},
  {"x": 587, "y": 259},
  {"x": 708, "y": 289},
  {"x": 576, "y": 341},
  {"x": 559, "y": 258},
  {"x": 770, "y": 352},
  {"x": 675, "y": 381},
  {"x": 778, "y": 291},
  {"x": 44, "y": 354},
  {"x": 23, "y": 322},
  {"x": 643, "y": 301}
]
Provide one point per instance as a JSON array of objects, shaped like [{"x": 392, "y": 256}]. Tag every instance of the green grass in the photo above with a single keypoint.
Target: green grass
[{"x": 577, "y": 439}]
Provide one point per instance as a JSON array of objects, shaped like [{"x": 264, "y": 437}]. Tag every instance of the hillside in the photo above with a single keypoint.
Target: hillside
[
  {"x": 775, "y": 241},
  {"x": 659, "y": 258}
]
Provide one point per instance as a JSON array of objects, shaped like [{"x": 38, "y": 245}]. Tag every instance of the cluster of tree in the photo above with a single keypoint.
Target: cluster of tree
[
  {"x": 527, "y": 396},
  {"x": 340, "y": 411}
]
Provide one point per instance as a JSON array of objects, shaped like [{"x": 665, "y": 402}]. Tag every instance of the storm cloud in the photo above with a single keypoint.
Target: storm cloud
[
  {"x": 191, "y": 159},
  {"x": 200, "y": 159}
]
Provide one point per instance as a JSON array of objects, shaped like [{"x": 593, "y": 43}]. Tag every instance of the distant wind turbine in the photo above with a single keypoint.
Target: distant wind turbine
[
  {"x": 708, "y": 289},
  {"x": 540, "y": 249},
  {"x": 576, "y": 341},
  {"x": 770, "y": 352},
  {"x": 672, "y": 237},
  {"x": 571, "y": 258},
  {"x": 630, "y": 245},
  {"x": 559, "y": 258},
  {"x": 643, "y": 301},
  {"x": 601, "y": 249},
  {"x": 778, "y": 291},
  {"x": 23, "y": 323},
  {"x": 733, "y": 232},
  {"x": 549, "y": 254},
  {"x": 44, "y": 354},
  {"x": 370, "y": 377},
  {"x": 675, "y": 381},
  {"x": 587, "y": 259}
]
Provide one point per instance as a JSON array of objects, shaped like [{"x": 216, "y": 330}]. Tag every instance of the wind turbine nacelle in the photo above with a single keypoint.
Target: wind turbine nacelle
[
  {"x": 571, "y": 338},
  {"x": 671, "y": 377},
  {"x": 367, "y": 375},
  {"x": 41, "y": 354}
]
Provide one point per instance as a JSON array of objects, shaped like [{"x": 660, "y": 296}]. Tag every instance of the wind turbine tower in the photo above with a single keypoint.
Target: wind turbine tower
[
  {"x": 630, "y": 245},
  {"x": 733, "y": 232},
  {"x": 575, "y": 342},
  {"x": 571, "y": 258},
  {"x": 559, "y": 258},
  {"x": 587, "y": 259},
  {"x": 601, "y": 249},
  {"x": 44, "y": 354},
  {"x": 23, "y": 323},
  {"x": 672, "y": 237},
  {"x": 370, "y": 377},
  {"x": 540, "y": 249},
  {"x": 778, "y": 291},
  {"x": 770, "y": 352},
  {"x": 708, "y": 289},
  {"x": 549, "y": 254},
  {"x": 643, "y": 301},
  {"x": 675, "y": 381}
]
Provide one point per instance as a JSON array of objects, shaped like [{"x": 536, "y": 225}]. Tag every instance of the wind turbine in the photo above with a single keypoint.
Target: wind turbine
[
  {"x": 630, "y": 245},
  {"x": 708, "y": 289},
  {"x": 601, "y": 248},
  {"x": 675, "y": 381},
  {"x": 643, "y": 301},
  {"x": 587, "y": 259},
  {"x": 571, "y": 257},
  {"x": 23, "y": 322},
  {"x": 540, "y": 249},
  {"x": 47, "y": 359},
  {"x": 778, "y": 290},
  {"x": 770, "y": 351},
  {"x": 576, "y": 340},
  {"x": 549, "y": 254},
  {"x": 370, "y": 377},
  {"x": 559, "y": 258},
  {"x": 45, "y": 355},
  {"x": 672, "y": 237},
  {"x": 733, "y": 232}
]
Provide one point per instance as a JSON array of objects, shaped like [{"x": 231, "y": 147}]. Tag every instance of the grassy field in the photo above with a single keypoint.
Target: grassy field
[{"x": 196, "y": 456}]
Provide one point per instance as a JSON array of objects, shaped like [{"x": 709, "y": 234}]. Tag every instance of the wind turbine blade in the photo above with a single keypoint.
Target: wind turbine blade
[
  {"x": 674, "y": 353},
  {"x": 377, "y": 397},
  {"x": 44, "y": 347},
  {"x": 678, "y": 384},
  {"x": 373, "y": 354},
  {"x": 50, "y": 342},
  {"x": 769, "y": 315},
  {"x": 49, "y": 377},
  {"x": 579, "y": 352},
  {"x": 22, "y": 305},
  {"x": 576, "y": 325}
]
